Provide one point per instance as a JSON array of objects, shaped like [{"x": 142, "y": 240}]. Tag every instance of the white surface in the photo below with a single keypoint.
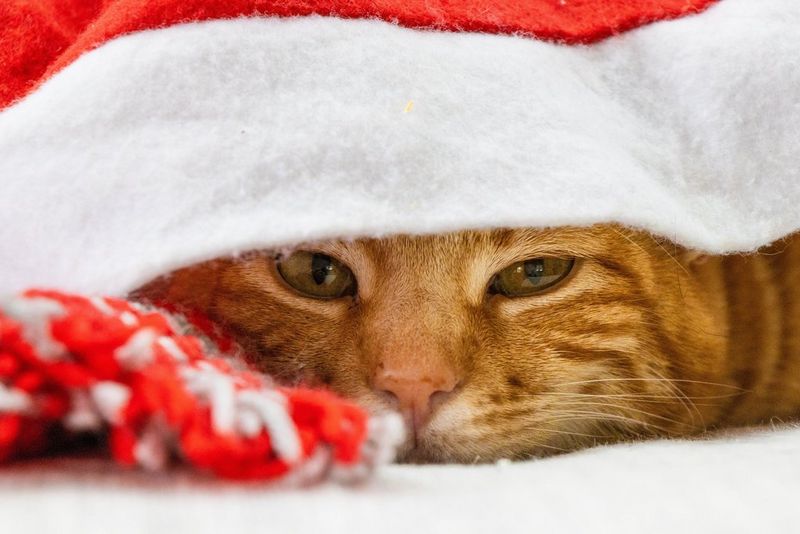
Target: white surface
[
  {"x": 165, "y": 147},
  {"x": 745, "y": 483}
]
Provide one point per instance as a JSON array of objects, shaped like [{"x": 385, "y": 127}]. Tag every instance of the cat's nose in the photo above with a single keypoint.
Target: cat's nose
[{"x": 417, "y": 392}]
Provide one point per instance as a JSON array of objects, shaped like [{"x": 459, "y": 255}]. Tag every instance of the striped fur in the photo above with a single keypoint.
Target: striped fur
[{"x": 642, "y": 339}]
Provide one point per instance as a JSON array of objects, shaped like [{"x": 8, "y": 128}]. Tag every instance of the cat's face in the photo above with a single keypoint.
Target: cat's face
[{"x": 493, "y": 344}]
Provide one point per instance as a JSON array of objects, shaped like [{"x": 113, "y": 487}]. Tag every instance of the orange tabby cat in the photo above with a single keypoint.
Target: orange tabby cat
[{"x": 518, "y": 343}]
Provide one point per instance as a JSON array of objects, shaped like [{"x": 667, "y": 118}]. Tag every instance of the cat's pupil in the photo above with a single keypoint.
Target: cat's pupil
[
  {"x": 534, "y": 269},
  {"x": 321, "y": 267}
]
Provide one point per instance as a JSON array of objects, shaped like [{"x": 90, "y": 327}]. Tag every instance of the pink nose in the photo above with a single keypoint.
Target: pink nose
[{"x": 416, "y": 392}]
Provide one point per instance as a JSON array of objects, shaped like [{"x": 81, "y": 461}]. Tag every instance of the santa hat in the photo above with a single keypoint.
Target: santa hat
[{"x": 138, "y": 137}]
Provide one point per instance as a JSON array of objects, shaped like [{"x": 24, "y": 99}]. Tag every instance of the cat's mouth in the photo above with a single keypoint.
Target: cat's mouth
[
  {"x": 444, "y": 437},
  {"x": 457, "y": 440},
  {"x": 425, "y": 444},
  {"x": 419, "y": 445}
]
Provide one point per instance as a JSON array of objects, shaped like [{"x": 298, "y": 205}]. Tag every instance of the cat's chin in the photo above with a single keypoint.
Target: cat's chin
[
  {"x": 430, "y": 452},
  {"x": 422, "y": 455},
  {"x": 440, "y": 443},
  {"x": 422, "y": 451},
  {"x": 427, "y": 454},
  {"x": 436, "y": 449}
]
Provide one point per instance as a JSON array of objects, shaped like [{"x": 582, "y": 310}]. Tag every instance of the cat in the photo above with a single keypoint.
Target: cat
[{"x": 518, "y": 343}]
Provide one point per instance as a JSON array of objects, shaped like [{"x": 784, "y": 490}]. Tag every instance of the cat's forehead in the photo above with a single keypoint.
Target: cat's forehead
[{"x": 501, "y": 243}]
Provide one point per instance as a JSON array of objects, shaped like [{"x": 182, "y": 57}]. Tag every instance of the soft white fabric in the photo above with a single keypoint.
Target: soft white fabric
[
  {"x": 175, "y": 145},
  {"x": 747, "y": 483}
]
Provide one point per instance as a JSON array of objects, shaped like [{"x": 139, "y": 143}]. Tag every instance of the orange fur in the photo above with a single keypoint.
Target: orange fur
[{"x": 642, "y": 339}]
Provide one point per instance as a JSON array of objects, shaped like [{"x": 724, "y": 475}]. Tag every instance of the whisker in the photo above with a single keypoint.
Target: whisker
[
  {"x": 562, "y": 432},
  {"x": 537, "y": 444},
  {"x": 640, "y": 247},
  {"x": 673, "y": 258},
  {"x": 575, "y": 409},
  {"x": 627, "y": 408},
  {"x": 573, "y": 415},
  {"x": 684, "y": 400},
  {"x": 642, "y": 379},
  {"x": 635, "y": 396}
]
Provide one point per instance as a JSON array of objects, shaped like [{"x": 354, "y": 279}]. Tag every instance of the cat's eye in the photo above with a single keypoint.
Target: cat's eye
[
  {"x": 317, "y": 275},
  {"x": 530, "y": 276}
]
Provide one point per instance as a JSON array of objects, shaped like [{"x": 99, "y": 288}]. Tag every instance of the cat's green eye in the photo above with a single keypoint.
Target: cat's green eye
[
  {"x": 317, "y": 275},
  {"x": 530, "y": 276}
]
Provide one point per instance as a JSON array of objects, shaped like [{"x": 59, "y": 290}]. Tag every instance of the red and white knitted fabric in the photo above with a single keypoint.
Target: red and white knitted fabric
[{"x": 78, "y": 364}]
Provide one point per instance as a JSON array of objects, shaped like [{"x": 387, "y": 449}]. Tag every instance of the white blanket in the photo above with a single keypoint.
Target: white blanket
[
  {"x": 170, "y": 146},
  {"x": 747, "y": 483}
]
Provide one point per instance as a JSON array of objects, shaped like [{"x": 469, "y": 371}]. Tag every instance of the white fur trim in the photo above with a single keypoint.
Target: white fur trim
[{"x": 169, "y": 146}]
